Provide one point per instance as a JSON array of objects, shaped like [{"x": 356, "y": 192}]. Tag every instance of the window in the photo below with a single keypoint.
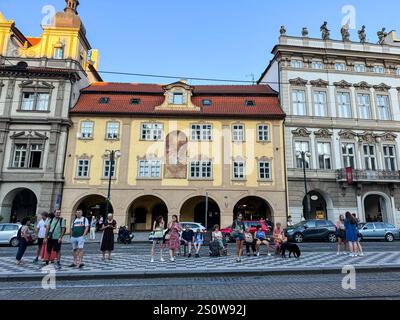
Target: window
[
  {"x": 201, "y": 132},
  {"x": 177, "y": 98},
  {"x": 317, "y": 65},
  {"x": 107, "y": 167},
  {"x": 238, "y": 132},
  {"x": 344, "y": 104},
  {"x": 135, "y": 101},
  {"x": 83, "y": 168},
  {"x": 299, "y": 102},
  {"x": 86, "y": 130},
  {"x": 340, "y": 66},
  {"x": 398, "y": 71},
  {"x": 379, "y": 69},
  {"x": 369, "y": 157},
  {"x": 112, "y": 130},
  {"x": 348, "y": 153},
  {"x": 382, "y": 102},
  {"x": 104, "y": 100},
  {"x": 359, "y": 68},
  {"x": 206, "y": 102},
  {"x": 302, "y": 146},
  {"x": 152, "y": 131},
  {"x": 389, "y": 155},
  {"x": 364, "y": 106},
  {"x": 324, "y": 155},
  {"x": 59, "y": 53},
  {"x": 263, "y": 132},
  {"x": 250, "y": 103},
  {"x": 201, "y": 169},
  {"x": 35, "y": 101},
  {"x": 297, "y": 64},
  {"x": 149, "y": 169},
  {"x": 238, "y": 170},
  {"x": 321, "y": 224},
  {"x": 320, "y": 104},
  {"x": 264, "y": 170},
  {"x": 27, "y": 156}
]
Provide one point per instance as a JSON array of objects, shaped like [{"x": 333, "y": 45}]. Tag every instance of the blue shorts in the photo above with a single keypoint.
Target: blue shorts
[{"x": 239, "y": 237}]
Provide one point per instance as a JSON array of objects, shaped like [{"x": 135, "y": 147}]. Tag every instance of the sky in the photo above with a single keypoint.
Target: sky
[{"x": 222, "y": 39}]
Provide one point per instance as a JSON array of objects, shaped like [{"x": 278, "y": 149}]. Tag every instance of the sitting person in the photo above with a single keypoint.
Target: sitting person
[
  {"x": 250, "y": 241},
  {"x": 187, "y": 240},
  {"x": 261, "y": 238},
  {"x": 198, "y": 242},
  {"x": 217, "y": 236},
  {"x": 279, "y": 238}
]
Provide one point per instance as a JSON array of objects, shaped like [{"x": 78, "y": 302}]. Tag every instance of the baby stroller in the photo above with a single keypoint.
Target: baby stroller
[{"x": 215, "y": 249}]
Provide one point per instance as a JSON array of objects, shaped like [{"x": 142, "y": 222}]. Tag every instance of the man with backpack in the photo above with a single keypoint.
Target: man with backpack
[
  {"x": 55, "y": 231},
  {"x": 79, "y": 230}
]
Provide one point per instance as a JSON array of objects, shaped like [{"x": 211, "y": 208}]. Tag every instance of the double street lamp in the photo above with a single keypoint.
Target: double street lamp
[
  {"x": 112, "y": 155},
  {"x": 302, "y": 156}
]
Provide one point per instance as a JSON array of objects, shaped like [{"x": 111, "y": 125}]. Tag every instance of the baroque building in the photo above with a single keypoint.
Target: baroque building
[
  {"x": 343, "y": 114},
  {"x": 203, "y": 152},
  {"x": 40, "y": 80}
]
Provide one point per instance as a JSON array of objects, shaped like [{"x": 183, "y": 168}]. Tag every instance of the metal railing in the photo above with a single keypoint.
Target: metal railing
[{"x": 366, "y": 175}]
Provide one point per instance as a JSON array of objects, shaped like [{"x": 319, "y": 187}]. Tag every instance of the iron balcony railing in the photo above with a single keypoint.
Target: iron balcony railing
[{"x": 366, "y": 175}]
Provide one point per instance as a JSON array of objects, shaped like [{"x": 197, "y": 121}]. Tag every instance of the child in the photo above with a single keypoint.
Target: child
[
  {"x": 261, "y": 238},
  {"x": 250, "y": 241}
]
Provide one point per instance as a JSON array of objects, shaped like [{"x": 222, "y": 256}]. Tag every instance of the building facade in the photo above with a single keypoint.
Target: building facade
[
  {"x": 204, "y": 153},
  {"x": 40, "y": 80},
  {"x": 342, "y": 104}
]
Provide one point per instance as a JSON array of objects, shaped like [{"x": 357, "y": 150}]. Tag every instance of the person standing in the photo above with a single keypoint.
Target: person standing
[
  {"x": 238, "y": 228},
  {"x": 40, "y": 231},
  {"x": 23, "y": 238},
  {"x": 360, "y": 249},
  {"x": 107, "y": 241},
  {"x": 261, "y": 238},
  {"x": 55, "y": 231},
  {"x": 158, "y": 232},
  {"x": 289, "y": 221},
  {"x": 350, "y": 225},
  {"x": 173, "y": 237},
  {"x": 188, "y": 239},
  {"x": 79, "y": 230},
  {"x": 93, "y": 227},
  {"x": 198, "y": 242},
  {"x": 341, "y": 235},
  {"x": 279, "y": 237}
]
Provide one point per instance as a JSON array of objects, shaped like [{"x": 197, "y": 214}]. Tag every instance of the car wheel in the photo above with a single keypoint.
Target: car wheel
[
  {"x": 389, "y": 237},
  {"x": 298, "y": 237},
  {"x": 14, "y": 242},
  {"x": 332, "y": 237}
]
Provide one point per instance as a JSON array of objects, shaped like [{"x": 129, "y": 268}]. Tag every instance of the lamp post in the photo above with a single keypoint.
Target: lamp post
[
  {"x": 302, "y": 155},
  {"x": 112, "y": 154},
  {"x": 206, "y": 210}
]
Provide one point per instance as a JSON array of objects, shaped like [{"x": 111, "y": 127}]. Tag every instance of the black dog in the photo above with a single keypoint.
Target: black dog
[{"x": 292, "y": 248}]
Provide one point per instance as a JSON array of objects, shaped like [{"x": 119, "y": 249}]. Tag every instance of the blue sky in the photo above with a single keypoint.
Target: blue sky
[{"x": 224, "y": 39}]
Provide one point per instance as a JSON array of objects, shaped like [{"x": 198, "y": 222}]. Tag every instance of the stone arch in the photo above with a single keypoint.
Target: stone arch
[
  {"x": 193, "y": 209},
  {"x": 386, "y": 210},
  {"x": 18, "y": 204}
]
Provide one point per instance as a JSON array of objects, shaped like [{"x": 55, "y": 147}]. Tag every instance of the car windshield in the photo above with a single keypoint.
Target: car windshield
[{"x": 300, "y": 224}]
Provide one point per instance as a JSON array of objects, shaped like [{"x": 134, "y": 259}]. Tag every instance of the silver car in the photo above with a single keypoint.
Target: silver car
[
  {"x": 8, "y": 233},
  {"x": 379, "y": 231}
]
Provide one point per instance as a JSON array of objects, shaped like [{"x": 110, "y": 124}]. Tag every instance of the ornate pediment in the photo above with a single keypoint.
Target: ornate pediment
[
  {"x": 323, "y": 134},
  {"x": 343, "y": 84},
  {"x": 319, "y": 83},
  {"x": 298, "y": 82},
  {"x": 28, "y": 135},
  {"x": 368, "y": 137},
  {"x": 148, "y": 156},
  {"x": 180, "y": 84},
  {"x": 301, "y": 132},
  {"x": 178, "y": 97},
  {"x": 388, "y": 136},
  {"x": 36, "y": 85},
  {"x": 347, "y": 134},
  {"x": 382, "y": 87},
  {"x": 362, "y": 85}
]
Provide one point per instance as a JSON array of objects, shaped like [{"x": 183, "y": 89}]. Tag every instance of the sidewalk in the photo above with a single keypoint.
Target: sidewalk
[
  {"x": 142, "y": 236},
  {"x": 131, "y": 266}
]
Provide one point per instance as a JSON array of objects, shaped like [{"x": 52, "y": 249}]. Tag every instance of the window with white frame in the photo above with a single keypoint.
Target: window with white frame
[
  {"x": 109, "y": 167},
  {"x": 301, "y": 146},
  {"x": 389, "y": 155},
  {"x": 149, "y": 169},
  {"x": 340, "y": 66},
  {"x": 27, "y": 155},
  {"x": 86, "y": 130},
  {"x": 324, "y": 155},
  {"x": 177, "y": 98},
  {"x": 359, "y": 67},
  {"x": 348, "y": 154},
  {"x": 299, "y": 102},
  {"x": 201, "y": 169},
  {"x": 58, "y": 53},
  {"x": 35, "y": 101},
  {"x": 378, "y": 69},
  {"x": 264, "y": 170},
  {"x": 238, "y": 132},
  {"x": 201, "y": 132},
  {"x": 238, "y": 170},
  {"x": 369, "y": 157},
  {"x": 297, "y": 63},
  {"x": 112, "y": 132},
  {"x": 82, "y": 170},
  {"x": 320, "y": 104},
  {"x": 344, "y": 104},
  {"x": 152, "y": 131},
  {"x": 364, "y": 106},
  {"x": 382, "y": 103},
  {"x": 263, "y": 132},
  {"x": 317, "y": 65}
]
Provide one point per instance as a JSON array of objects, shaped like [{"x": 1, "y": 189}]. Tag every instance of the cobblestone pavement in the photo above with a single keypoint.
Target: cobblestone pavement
[{"x": 382, "y": 285}]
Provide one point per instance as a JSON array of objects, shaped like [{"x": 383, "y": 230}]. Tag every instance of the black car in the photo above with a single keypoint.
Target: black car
[{"x": 314, "y": 230}]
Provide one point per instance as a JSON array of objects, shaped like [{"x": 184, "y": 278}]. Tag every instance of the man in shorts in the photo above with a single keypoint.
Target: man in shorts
[
  {"x": 55, "y": 231},
  {"x": 79, "y": 230},
  {"x": 40, "y": 231}
]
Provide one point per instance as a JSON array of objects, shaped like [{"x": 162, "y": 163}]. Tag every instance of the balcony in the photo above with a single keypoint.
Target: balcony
[{"x": 369, "y": 176}]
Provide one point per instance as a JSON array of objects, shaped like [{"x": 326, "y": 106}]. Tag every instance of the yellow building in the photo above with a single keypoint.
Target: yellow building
[{"x": 180, "y": 148}]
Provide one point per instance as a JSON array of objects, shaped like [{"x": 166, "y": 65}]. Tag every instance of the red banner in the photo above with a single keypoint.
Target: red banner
[{"x": 349, "y": 175}]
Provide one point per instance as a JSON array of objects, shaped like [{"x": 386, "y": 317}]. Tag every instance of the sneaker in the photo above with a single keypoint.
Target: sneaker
[
  {"x": 58, "y": 265},
  {"x": 361, "y": 254},
  {"x": 36, "y": 260},
  {"x": 237, "y": 260},
  {"x": 255, "y": 254},
  {"x": 81, "y": 265},
  {"x": 162, "y": 259},
  {"x": 152, "y": 260},
  {"x": 197, "y": 255},
  {"x": 189, "y": 255},
  {"x": 268, "y": 254},
  {"x": 248, "y": 254},
  {"x": 72, "y": 265},
  {"x": 351, "y": 254},
  {"x": 172, "y": 259},
  {"x": 258, "y": 254}
]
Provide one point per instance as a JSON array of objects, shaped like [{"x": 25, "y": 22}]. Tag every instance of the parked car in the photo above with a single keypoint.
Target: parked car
[
  {"x": 226, "y": 232},
  {"x": 379, "y": 231},
  {"x": 315, "y": 230},
  {"x": 193, "y": 225},
  {"x": 9, "y": 231}
]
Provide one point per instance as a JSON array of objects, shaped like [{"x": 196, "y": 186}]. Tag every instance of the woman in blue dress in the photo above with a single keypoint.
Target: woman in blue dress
[{"x": 350, "y": 224}]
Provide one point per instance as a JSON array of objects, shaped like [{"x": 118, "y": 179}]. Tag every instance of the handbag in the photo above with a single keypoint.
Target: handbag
[
  {"x": 248, "y": 237},
  {"x": 167, "y": 236}
]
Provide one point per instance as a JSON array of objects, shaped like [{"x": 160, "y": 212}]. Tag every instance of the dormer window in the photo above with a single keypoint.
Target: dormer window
[
  {"x": 297, "y": 64},
  {"x": 340, "y": 66},
  {"x": 177, "y": 98},
  {"x": 250, "y": 103},
  {"x": 58, "y": 53},
  {"x": 104, "y": 100},
  {"x": 359, "y": 67},
  {"x": 206, "y": 102},
  {"x": 378, "y": 69},
  {"x": 135, "y": 101}
]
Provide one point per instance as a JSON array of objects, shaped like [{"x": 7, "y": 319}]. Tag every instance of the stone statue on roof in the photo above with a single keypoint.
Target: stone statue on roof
[
  {"x": 304, "y": 32},
  {"x": 362, "y": 35},
  {"x": 345, "y": 32},
  {"x": 382, "y": 36},
  {"x": 325, "y": 31},
  {"x": 282, "y": 31}
]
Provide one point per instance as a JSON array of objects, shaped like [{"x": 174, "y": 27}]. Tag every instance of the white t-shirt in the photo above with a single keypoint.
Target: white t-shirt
[{"x": 41, "y": 226}]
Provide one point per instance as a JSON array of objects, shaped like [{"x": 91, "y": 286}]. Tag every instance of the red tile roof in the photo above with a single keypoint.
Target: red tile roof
[
  {"x": 33, "y": 41},
  {"x": 227, "y": 100}
]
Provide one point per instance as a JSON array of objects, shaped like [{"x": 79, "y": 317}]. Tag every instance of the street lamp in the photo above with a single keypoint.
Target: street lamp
[
  {"x": 302, "y": 155},
  {"x": 112, "y": 155}
]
